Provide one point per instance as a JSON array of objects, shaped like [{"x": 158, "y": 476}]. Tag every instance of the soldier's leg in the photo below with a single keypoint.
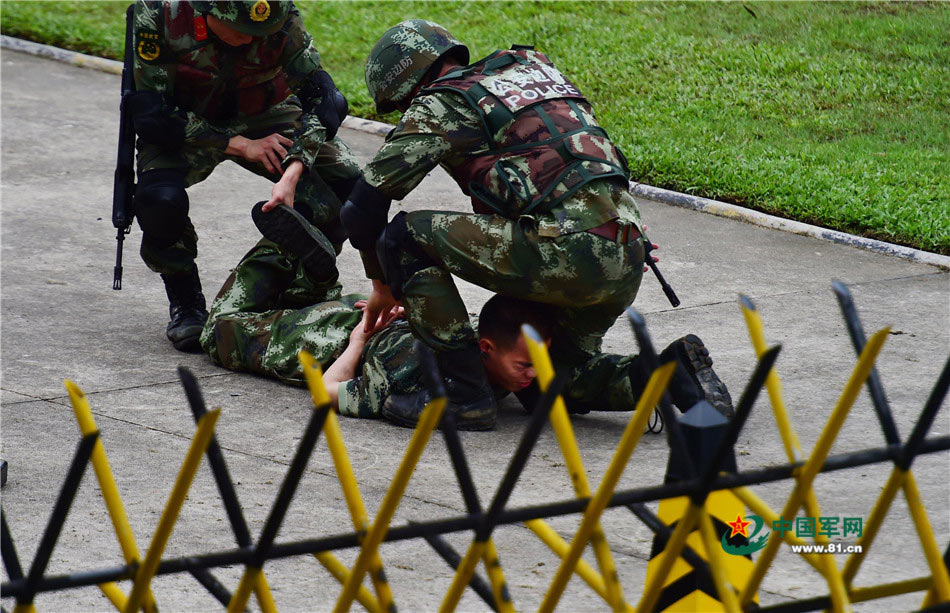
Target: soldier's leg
[
  {"x": 268, "y": 310},
  {"x": 590, "y": 278},
  {"x": 169, "y": 240},
  {"x": 609, "y": 382},
  {"x": 169, "y": 247}
]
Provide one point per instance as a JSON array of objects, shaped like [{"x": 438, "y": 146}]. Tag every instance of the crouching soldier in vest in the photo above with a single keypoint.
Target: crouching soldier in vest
[
  {"x": 237, "y": 81},
  {"x": 553, "y": 221}
]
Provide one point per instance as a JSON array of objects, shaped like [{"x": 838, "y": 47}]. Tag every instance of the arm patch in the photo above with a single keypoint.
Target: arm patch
[{"x": 148, "y": 46}]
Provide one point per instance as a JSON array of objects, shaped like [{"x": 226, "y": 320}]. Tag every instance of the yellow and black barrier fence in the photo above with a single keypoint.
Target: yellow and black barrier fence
[{"x": 696, "y": 564}]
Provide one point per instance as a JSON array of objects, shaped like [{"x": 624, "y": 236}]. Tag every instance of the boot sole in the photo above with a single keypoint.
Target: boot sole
[
  {"x": 702, "y": 372},
  {"x": 290, "y": 229}
]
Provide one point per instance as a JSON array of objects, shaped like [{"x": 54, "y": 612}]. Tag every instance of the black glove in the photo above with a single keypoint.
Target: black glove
[
  {"x": 332, "y": 108},
  {"x": 153, "y": 121}
]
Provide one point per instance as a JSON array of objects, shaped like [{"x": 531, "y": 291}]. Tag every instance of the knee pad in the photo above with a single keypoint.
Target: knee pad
[
  {"x": 343, "y": 187},
  {"x": 400, "y": 255},
  {"x": 161, "y": 205}
]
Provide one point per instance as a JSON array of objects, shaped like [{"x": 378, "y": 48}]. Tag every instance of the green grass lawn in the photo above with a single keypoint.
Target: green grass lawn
[{"x": 836, "y": 114}]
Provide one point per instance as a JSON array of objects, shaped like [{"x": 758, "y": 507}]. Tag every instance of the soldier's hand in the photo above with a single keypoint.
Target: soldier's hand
[
  {"x": 380, "y": 304},
  {"x": 267, "y": 151},
  {"x": 285, "y": 189}
]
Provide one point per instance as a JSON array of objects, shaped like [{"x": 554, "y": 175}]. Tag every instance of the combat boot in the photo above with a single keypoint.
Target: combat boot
[
  {"x": 693, "y": 380},
  {"x": 290, "y": 230},
  {"x": 470, "y": 397},
  {"x": 186, "y": 310}
]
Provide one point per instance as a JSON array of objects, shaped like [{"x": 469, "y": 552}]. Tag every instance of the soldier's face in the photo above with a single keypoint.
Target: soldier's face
[
  {"x": 226, "y": 33},
  {"x": 511, "y": 369}
]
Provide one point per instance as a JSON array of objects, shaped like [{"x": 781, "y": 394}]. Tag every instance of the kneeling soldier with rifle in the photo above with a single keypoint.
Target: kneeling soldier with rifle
[{"x": 216, "y": 81}]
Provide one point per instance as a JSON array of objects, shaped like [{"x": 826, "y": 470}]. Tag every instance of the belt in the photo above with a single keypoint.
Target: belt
[{"x": 617, "y": 232}]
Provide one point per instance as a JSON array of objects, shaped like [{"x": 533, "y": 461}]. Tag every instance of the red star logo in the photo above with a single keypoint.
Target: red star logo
[{"x": 739, "y": 527}]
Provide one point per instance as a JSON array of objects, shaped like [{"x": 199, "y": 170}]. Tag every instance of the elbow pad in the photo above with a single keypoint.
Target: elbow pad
[
  {"x": 332, "y": 107},
  {"x": 364, "y": 215},
  {"x": 154, "y": 123}
]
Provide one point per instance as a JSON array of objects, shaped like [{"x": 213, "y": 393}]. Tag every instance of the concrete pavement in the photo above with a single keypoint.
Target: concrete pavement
[{"x": 61, "y": 319}]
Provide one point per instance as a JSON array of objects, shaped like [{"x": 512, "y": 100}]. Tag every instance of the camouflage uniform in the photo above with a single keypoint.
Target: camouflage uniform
[
  {"x": 217, "y": 92},
  {"x": 528, "y": 239},
  {"x": 268, "y": 310}
]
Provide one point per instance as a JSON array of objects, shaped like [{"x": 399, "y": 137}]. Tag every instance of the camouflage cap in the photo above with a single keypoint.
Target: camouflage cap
[
  {"x": 402, "y": 56},
  {"x": 255, "y": 18}
]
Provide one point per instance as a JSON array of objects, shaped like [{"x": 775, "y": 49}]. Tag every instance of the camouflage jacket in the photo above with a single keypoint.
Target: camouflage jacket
[
  {"x": 542, "y": 156},
  {"x": 211, "y": 86}
]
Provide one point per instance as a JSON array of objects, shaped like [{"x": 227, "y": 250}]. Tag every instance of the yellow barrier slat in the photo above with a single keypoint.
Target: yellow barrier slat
[
  {"x": 496, "y": 577},
  {"x": 773, "y": 385},
  {"x": 560, "y": 547},
  {"x": 918, "y": 513},
  {"x": 340, "y": 573},
  {"x": 674, "y": 546},
  {"x": 717, "y": 565},
  {"x": 813, "y": 465},
  {"x": 420, "y": 437},
  {"x": 166, "y": 522},
  {"x": 110, "y": 494},
  {"x": 462, "y": 576},
  {"x": 628, "y": 442},
  {"x": 345, "y": 475},
  {"x": 873, "y": 524},
  {"x": 793, "y": 448},
  {"x": 575, "y": 466}
]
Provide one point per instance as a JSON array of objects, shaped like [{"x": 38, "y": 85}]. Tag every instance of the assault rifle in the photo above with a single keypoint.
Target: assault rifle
[{"x": 123, "y": 190}]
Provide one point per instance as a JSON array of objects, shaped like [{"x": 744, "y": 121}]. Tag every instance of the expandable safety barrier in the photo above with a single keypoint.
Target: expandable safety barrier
[{"x": 690, "y": 568}]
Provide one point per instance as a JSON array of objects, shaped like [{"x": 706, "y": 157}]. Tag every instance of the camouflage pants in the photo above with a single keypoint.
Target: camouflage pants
[
  {"x": 589, "y": 279},
  {"x": 334, "y": 163},
  {"x": 268, "y": 310}
]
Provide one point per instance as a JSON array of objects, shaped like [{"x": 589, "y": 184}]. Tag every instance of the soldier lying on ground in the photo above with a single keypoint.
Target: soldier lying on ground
[
  {"x": 279, "y": 300},
  {"x": 283, "y": 296},
  {"x": 237, "y": 81},
  {"x": 553, "y": 221}
]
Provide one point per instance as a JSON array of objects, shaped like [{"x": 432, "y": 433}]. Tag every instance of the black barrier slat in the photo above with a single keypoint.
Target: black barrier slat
[
  {"x": 926, "y": 419},
  {"x": 858, "y": 339},
  {"x": 289, "y": 487},
  {"x": 58, "y": 517},
  {"x": 539, "y": 417},
  {"x": 464, "y": 476},
  {"x": 216, "y": 460},
  {"x": 674, "y": 435},
  {"x": 10, "y": 559},
  {"x": 222, "y": 478},
  {"x": 453, "y": 559},
  {"x": 743, "y": 409},
  {"x": 210, "y": 583},
  {"x": 458, "y": 524},
  {"x": 941, "y": 607}
]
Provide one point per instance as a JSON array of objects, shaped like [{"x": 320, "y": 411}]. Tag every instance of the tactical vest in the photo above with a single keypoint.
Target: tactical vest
[
  {"x": 543, "y": 142},
  {"x": 217, "y": 81}
]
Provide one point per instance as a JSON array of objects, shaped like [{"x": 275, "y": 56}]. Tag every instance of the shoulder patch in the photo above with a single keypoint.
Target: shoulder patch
[{"x": 147, "y": 45}]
